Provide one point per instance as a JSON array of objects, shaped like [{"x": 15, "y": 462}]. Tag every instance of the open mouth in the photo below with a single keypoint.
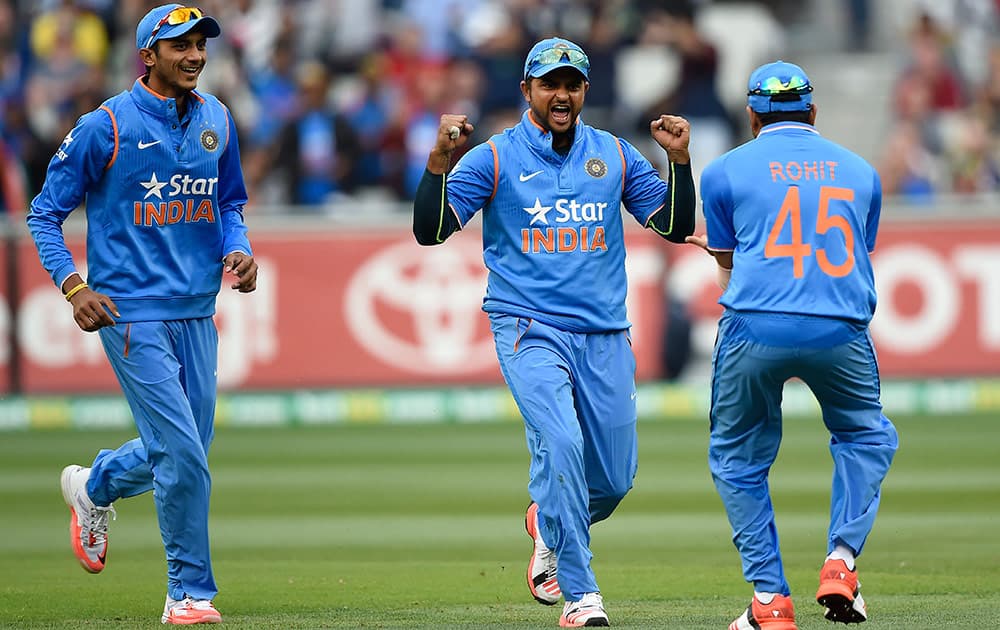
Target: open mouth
[
  {"x": 191, "y": 71},
  {"x": 560, "y": 114}
]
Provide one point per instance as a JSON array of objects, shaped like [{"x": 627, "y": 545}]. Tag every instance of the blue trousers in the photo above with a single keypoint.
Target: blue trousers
[
  {"x": 750, "y": 366},
  {"x": 167, "y": 371},
  {"x": 576, "y": 393}
]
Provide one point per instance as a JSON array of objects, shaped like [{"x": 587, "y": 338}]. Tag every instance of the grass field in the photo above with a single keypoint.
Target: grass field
[{"x": 422, "y": 527}]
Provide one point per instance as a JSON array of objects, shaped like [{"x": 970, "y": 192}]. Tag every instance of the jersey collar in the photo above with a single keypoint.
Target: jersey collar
[
  {"x": 159, "y": 105},
  {"x": 540, "y": 138},
  {"x": 787, "y": 126}
]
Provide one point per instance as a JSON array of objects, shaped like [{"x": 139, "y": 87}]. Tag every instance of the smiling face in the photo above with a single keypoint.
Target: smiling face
[
  {"x": 175, "y": 64},
  {"x": 556, "y": 100}
]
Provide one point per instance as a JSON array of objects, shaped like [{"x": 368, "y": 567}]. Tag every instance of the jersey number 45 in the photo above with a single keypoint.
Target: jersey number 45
[{"x": 797, "y": 250}]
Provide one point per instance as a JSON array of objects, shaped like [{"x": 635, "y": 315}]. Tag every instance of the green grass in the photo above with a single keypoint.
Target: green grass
[{"x": 422, "y": 526}]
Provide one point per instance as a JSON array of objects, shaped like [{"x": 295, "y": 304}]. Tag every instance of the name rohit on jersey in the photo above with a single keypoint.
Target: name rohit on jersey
[
  {"x": 795, "y": 171},
  {"x": 536, "y": 239},
  {"x": 169, "y": 211}
]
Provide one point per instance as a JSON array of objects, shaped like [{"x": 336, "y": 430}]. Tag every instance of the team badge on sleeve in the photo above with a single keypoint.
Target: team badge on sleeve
[
  {"x": 209, "y": 140},
  {"x": 68, "y": 140},
  {"x": 596, "y": 167}
]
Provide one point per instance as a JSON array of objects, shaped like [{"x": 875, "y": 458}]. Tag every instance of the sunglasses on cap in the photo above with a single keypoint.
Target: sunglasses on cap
[
  {"x": 180, "y": 15},
  {"x": 778, "y": 89},
  {"x": 554, "y": 55}
]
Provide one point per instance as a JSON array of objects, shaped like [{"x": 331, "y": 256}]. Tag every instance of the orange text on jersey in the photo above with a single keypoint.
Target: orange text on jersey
[
  {"x": 818, "y": 170},
  {"x": 584, "y": 238},
  {"x": 174, "y": 211}
]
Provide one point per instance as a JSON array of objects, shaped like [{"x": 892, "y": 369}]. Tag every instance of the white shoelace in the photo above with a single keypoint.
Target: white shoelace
[
  {"x": 97, "y": 524},
  {"x": 548, "y": 558}
]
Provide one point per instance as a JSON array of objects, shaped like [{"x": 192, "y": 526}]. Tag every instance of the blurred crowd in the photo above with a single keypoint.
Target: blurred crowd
[
  {"x": 340, "y": 99},
  {"x": 946, "y": 104}
]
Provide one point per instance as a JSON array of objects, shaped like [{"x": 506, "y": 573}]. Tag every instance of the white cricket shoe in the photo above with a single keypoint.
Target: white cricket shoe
[
  {"x": 542, "y": 582},
  {"x": 588, "y": 612},
  {"x": 187, "y": 612},
  {"x": 88, "y": 523}
]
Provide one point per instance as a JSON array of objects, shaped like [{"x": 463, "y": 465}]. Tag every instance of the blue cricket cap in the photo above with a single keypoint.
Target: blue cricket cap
[
  {"x": 173, "y": 20},
  {"x": 779, "y": 86},
  {"x": 555, "y": 52}
]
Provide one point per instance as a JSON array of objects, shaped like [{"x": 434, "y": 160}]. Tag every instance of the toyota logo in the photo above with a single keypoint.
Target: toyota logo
[{"x": 419, "y": 308}]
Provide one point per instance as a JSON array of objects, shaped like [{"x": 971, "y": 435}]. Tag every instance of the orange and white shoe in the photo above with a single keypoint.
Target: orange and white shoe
[
  {"x": 586, "y": 613},
  {"x": 840, "y": 593},
  {"x": 187, "y": 612},
  {"x": 88, "y": 523},
  {"x": 542, "y": 580},
  {"x": 778, "y": 615}
]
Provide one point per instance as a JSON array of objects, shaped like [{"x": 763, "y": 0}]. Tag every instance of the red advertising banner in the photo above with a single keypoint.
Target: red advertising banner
[
  {"x": 939, "y": 300},
  {"x": 332, "y": 309},
  {"x": 938, "y": 313},
  {"x": 355, "y": 308}
]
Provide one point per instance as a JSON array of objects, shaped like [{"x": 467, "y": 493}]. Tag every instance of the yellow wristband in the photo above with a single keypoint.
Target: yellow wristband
[{"x": 75, "y": 290}]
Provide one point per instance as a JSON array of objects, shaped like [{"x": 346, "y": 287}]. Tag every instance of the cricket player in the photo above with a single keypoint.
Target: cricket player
[
  {"x": 791, "y": 219},
  {"x": 158, "y": 169},
  {"x": 551, "y": 190}
]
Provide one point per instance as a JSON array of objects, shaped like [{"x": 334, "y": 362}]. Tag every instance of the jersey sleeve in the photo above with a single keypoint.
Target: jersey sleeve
[
  {"x": 472, "y": 182},
  {"x": 86, "y": 151},
  {"x": 232, "y": 195},
  {"x": 717, "y": 206},
  {"x": 874, "y": 212},
  {"x": 644, "y": 191}
]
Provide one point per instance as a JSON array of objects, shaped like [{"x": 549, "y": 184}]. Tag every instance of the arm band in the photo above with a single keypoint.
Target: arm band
[
  {"x": 676, "y": 219},
  {"x": 433, "y": 220},
  {"x": 75, "y": 290}
]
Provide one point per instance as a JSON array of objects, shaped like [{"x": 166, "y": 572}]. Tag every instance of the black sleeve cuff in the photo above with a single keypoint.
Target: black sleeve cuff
[
  {"x": 675, "y": 220},
  {"x": 433, "y": 221}
]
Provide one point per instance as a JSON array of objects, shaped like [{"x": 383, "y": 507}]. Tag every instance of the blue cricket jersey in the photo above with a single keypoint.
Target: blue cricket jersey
[
  {"x": 553, "y": 238},
  {"x": 164, "y": 203},
  {"x": 800, "y": 214}
]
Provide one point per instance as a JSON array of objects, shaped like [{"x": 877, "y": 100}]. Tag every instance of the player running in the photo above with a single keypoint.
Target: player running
[
  {"x": 551, "y": 190},
  {"x": 791, "y": 219},
  {"x": 158, "y": 169}
]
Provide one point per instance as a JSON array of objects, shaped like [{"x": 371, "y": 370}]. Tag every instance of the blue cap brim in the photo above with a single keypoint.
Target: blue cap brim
[
  {"x": 533, "y": 66},
  {"x": 764, "y": 104},
  {"x": 205, "y": 24},
  {"x": 542, "y": 70}
]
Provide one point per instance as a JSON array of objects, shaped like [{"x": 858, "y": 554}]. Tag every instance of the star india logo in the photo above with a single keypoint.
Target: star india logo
[
  {"x": 538, "y": 212},
  {"x": 154, "y": 187},
  {"x": 68, "y": 140}
]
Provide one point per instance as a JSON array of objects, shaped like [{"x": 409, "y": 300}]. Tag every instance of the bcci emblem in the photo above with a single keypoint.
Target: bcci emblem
[
  {"x": 209, "y": 140},
  {"x": 596, "y": 167}
]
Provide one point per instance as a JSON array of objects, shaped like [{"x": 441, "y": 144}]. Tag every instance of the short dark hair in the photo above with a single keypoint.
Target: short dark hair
[{"x": 767, "y": 118}]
